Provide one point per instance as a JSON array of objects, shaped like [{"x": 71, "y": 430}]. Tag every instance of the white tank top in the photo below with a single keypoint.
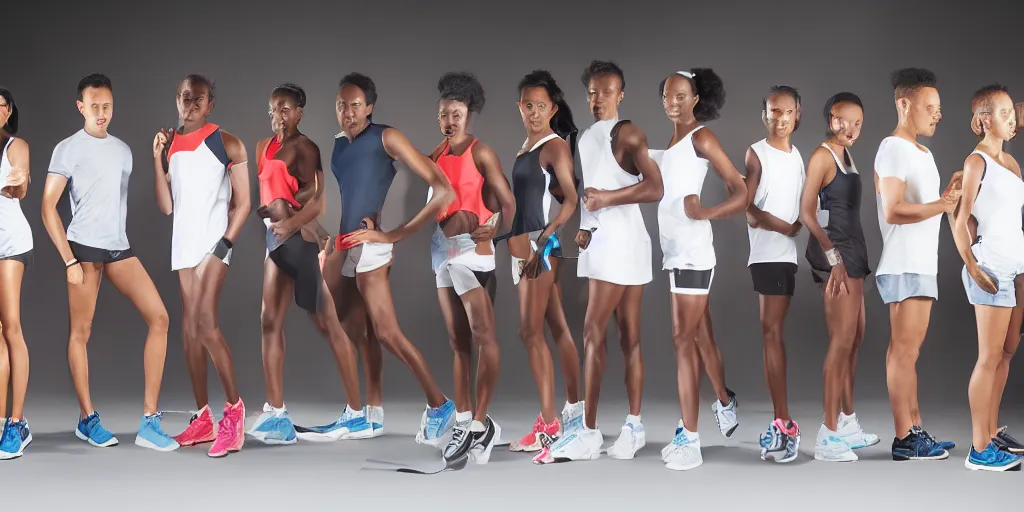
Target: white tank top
[
  {"x": 15, "y": 232},
  {"x": 778, "y": 193},
  {"x": 685, "y": 243},
  {"x": 201, "y": 191},
  {"x": 998, "y": 211}
]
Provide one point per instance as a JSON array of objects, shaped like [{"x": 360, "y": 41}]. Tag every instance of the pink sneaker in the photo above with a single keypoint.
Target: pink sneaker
[
  {"x": 541, "y": 436},
  {"x": 230, "y": 431},
  {"x": 200, "y": 430}
]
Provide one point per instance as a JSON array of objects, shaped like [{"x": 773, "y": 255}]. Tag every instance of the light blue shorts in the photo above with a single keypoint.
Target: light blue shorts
[
  {"x": 900, "y": 287},
  {"x": 1005, "y": 296}
]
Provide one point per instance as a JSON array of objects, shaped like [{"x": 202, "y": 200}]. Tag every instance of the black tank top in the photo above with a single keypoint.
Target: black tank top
[
  {"x": 841, "y": 199},
  {"x": 534, "y": 187}
]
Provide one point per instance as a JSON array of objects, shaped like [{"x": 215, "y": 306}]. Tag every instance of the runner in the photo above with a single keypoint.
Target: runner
[{"x": 97, "y": 166}]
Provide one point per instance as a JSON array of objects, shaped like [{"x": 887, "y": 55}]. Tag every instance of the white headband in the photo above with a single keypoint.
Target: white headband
[{"x": 687, "y": 74}]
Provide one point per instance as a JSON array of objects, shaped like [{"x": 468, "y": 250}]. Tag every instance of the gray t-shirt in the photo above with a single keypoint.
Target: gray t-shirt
[{"x": 97, "y": 171}]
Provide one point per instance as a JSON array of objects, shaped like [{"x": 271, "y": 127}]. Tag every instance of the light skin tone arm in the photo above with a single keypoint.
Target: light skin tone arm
[
  {"x": 240, "y": 193},
  {"x": 756, "y": 217},
  {"x": 821, "y": 169},
  {"x": 310, "y": 175},
  {"x": 162, "y": 180},
  {"x": 974, "y": 168},
  {"x": 490, "y": 167},
  {"x": 707, "y": 145},
  {"x": 650, "y": 187},
  {"x": 19, "y": 179},
  {"x": 52, "y": 190}
]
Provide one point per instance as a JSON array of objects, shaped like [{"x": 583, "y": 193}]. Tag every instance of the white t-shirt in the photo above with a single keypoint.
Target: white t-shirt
[
  {"x": 909, "y": 248},
  {"x": 778, "y": 193}
]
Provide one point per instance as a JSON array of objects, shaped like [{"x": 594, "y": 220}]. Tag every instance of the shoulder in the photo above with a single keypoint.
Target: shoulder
[
  {"x": 703, "y": 138},
  {"x": 18, "y": 146},
  {"x": 820, "y": 157},
  {"x": 120, "y": 144},
  {"x": 630, "y": 134},
  {"x": 555, "y": 148},
  {"x": 974, "y": 161},
  {"x": 482, "y": 151}
]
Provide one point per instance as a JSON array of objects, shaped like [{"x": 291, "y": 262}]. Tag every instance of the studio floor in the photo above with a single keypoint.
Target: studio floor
[{"x": 59, "y": 471}]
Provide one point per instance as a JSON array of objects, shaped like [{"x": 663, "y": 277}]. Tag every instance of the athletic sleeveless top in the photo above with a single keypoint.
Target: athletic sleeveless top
[
  {"x": 685, "y": 243},
  {"x": 201, "y": 190},
  {"x": 532, "y": 187},
  {"x": 466, "y": 180},
  {"x": 15, "y": 232},
  {"x": 1000, "y": 241},
  {"x": 778, "y": 193},
  {"x": 364, "y": 171},
  {"x": 275, "y": 180},
  {"x": 839, "y": 216}
]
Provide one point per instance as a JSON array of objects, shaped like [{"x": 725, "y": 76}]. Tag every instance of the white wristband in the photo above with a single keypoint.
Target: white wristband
[{"x": 833, "y": 256}]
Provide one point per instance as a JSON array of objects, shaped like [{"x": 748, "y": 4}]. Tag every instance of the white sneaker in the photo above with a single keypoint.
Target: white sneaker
[
  {"x": 725, "y": 415},
  {"x": 583, "y": 444},
  {"x": 375, "y": 415},
  {"x": 684, "y": 452},
  {"x": 849, "y": 430},
  {"x": 480, "y": 450},
  {"x": 631, "y": 439},
  {"x": 665, "y": 450},
  {"x": 830, "y": 447},
  {"x": 572, "y": 417}
]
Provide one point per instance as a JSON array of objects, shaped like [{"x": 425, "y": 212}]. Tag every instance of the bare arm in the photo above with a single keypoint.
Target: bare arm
[
  {"x": 310, "y": 176},
  {"x": 490, "y": 167},
  {"x": 756, "y": 217},
  {"x": 241, "y": 205},
  {"x": 261, "y": 145},
  {"x": 398, "y": 146},
  {"x": 555, "y": 154},
  {"x": 20, "y": 177},
  {"x": 161, "y": 178},
  {"x": 974, "y": 168},
  {"x": 818, "y": 169},
  {"x": 897, "y": 211},
  {"x": 650, "y": 188},
  {"x": 707, "y": 145},
  {"x": 52, "y": 190}
]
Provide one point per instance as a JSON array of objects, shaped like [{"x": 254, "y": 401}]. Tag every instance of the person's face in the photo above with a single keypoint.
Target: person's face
[
  {"x": 781, "y": 114},
  {"x": 604, "y": 92},
  {"x": 452, "y": 117},
  {"x": 284, "y": 113},
  {"x": 194, "y": 103},
  {"x": 677, "y": 97},
  {"x": 5, "y": 111},
  {"x": 923, "y": 110},
  {"x": 351, "y": 108},
  {"x": 536, "y": 108},
  {"x": 845, "y": 123},
  {"x": 1001, "y": 120},
  {"x": 97, "y": 107}
]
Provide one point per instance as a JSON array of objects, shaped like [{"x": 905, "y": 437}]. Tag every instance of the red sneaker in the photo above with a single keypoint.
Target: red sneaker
[
  {"x": 541, "y": 436},
  {"x": 200, "y": 429},
  {"x": 230, "y": 431}
]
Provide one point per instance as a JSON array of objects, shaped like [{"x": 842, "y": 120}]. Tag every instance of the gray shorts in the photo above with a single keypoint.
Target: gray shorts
[
  {"x": 1005, "y": 296},
  {"x": 900, "y": 287}
]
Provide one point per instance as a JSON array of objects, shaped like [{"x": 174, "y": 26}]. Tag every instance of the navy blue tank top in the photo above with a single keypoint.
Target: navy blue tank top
[
  {"x": 535, "y": 188},
  {"x": 364, "y": 171}
]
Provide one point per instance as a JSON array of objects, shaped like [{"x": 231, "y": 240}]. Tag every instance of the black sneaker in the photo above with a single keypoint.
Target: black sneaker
[
  {"x": 1005, "y": 442},
  {"x": 916, "y": 446},
  {"x": 483, "y": 442},
  {"x": 458, "y": 447}
]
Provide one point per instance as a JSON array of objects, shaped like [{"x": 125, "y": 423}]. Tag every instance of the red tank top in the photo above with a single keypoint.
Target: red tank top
[
  {"x": 275, "y": 180},
  {"x": 466, "y": 180}
]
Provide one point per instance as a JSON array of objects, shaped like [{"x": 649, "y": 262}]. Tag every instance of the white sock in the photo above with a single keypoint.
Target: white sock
[
  {"x": 692, "y": 436},
  {"x": 476, "y": 426},
  {"x": 633, "y": 420},
  {"x": 462, "y": 417},
  {"x": 680, "y": 425},
  {"x": 357, "y": 412},
  {"x": 844, "y": 418}
]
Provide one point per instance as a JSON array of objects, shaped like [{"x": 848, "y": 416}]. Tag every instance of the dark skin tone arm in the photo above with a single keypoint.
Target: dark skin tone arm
[
  {"x": 556, "y": 155},
  {"x": 707, "y": 146},
  {"x": 821, "y": 170},
  {"x": 756, "y": 217},
  {"x": 490, "y": 167},
  {"x": 303, "y": 160},
  {"x": 239, "y": 176},
  {"x": 19, "y": 179}
]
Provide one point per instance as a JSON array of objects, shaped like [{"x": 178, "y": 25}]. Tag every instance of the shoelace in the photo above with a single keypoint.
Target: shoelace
[
  {"x": 459, "y": 434},
  {"x": 681, "y": 440}
]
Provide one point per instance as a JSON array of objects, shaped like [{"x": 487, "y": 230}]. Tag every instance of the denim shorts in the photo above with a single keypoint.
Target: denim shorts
[
  {"x": 900, "y": 287},
  {"x": 1005, "y": 296}
]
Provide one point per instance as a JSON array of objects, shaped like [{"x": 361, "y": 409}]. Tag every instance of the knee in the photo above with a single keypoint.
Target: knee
[
  {"x": 159, "y": 321},
  {"x": 483, "y": 332},
  {"x": 270, "y": 324},
  {"x": 1007, "y": 355},
  {"x": 684, "y": 339},
  {"x": 593, "y": 334},
  {"x": 904, "y": 353},
  {"x": 388, "y": 337},
  {"x": 205, "y": 326},
  {"x": 460, "y": 347},
  {"x": 531, "y": 335},
  {"x": 11, "y": 331},
  {"x": 79, "y": 334},
  {"x": 772, "y": 333}
]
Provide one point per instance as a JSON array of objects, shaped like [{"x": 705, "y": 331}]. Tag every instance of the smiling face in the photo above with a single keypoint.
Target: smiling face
[
  {"x": 536, "y": 109},
  {"x": 452, "y": 117},
  {"x": 97, "y": 107},
  {"x": 678, "y": 98},
  {"x": 194, "y": 102},
  {"x": 351, "y": 109},
  {"x": 845, "y": 122},
  {"x": 604, "y": 93}
]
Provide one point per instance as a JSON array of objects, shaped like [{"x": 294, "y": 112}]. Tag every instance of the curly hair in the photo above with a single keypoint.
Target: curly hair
[
  {"x": 561, "y": 122},
  {"x": 603, "y": 67},
  {"x": 907, "y": 81},
  {"x": 708, "y": 87},
  {"x": 464, "y": 88},
  {"x": 295, "y": 92}
]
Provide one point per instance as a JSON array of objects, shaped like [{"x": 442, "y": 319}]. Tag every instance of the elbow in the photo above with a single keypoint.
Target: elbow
[
  {"x": 657, "y": 192},
  {"x": 890, "y": 216}
]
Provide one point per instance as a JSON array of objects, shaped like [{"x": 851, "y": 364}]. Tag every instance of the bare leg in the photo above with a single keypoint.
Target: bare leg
[
  {"x": 568, "y": 355},
  {"x": 5, "y": 373},
  {"x": 195, "y": 354},
  {"x": 277, "y": 289},
  {"x": 480, "y": 315},
  {"x": 627, "y": 316},
  {"x": 351, "y": 312},
  {"x": 130, "y": 278},
  {"x": 207, "y": 328},
  {"x": 773, "y": 317},
  {"x": 847, "y": 403},
  {"x": 1010, "y": 344},
  {"x": 841, "y": 316},
  {"x": 992, "y": 325},
  {"x": 711, "y": 357},
  {"x": 533, "y": 301},
  {"x": 687, "y": 314},
  {"x": 460, "y": 338},
  {"x": 909, "y": 321},
  {"x": 81, "y": 308},
  {"x": 341, "y": 346},
  {"x": 15, "y": 350},
  {"x": 604, "y": 298}
]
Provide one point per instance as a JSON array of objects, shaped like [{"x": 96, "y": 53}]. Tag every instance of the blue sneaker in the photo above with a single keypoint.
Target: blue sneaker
[
  {"x": 90, "y": 430},
  {"x": 945, "y": 445},
  {"x": 153, "y": 437},
  {"x": 274, "y": 426},
  {"x": 436, "y": 422},
  {"x": 917, "y": 446},
  {"x": 351, "y": 424},
  {"x": 992, "y": 459}
]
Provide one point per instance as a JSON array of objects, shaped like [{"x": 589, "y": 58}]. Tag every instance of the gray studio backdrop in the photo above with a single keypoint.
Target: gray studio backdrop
[{"x": 250, "y": 47}]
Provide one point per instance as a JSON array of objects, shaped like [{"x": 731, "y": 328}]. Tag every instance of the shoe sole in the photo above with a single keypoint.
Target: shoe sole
[
  {"x": 1013, "y": 466},
  {"x": 684, "y": 467},
  {"x": 330, "y": 437},
  {"x": 943, "y": 456},
  {"x": 144, "y": 443},
  {"x": 111, "y": 442},
  {"x": 631, "y": 456},
  {"x": 484, "y": 456},
  {"x": 852, "y": 457},
  {"x": 865, "y": 445},
  {"x": 263, "y": 439},
  {"x": 196, "y": 443}
]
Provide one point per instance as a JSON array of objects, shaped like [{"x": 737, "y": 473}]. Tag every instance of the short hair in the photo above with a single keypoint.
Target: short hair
[
  {"x": 364, "y": 83},
  {"x": 982, "y": 98},
  {"x": 787, "y": 90},
  {"x": 296, "y": 93},
  {"x": 907, "y": 81},
  {"x": 11, "y": 127},
  {"x": 708, "y": 87},
  {"x": 603, "y": 67},
  {"x": 842, "y": 97},
  {"x": 464, "y": 88},
  {"x": 197, "y": 79},
  {"x": 98, "y": 80}
]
